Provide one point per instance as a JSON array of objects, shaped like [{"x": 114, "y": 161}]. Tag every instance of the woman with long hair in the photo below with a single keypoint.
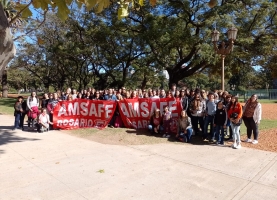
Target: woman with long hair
[
  {"x": 32, "y": 105},
  {"x": 156, "y": 122},
  {"x": 235, "y": 115},
  {"x": 184, "y": 129},
  {"x": 197, "y": 109},
  {"x": 252, "y": 115}
]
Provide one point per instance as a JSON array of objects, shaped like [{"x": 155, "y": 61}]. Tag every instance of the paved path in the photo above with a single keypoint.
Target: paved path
[{"x": 55, "y": 165}]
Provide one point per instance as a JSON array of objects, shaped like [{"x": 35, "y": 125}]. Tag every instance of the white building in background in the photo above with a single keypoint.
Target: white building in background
[{"x": 165, "y": 74}]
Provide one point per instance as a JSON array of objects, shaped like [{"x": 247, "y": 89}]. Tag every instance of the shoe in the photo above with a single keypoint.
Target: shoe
[
  {"x": 167, "y": 136},
  {"x": 164, "y": 135},
  {"x": 13, "y": 129},
  {"x": 238, "y": 146},
  {"x": 205, "y": 140},
  {"x": 255, "y": 142},
  {"x": 220, "y": 144},
  {"x": 248, "y": 140},
  {"x": 212, "y": 141},
  {"x": 234, "y": 145}
]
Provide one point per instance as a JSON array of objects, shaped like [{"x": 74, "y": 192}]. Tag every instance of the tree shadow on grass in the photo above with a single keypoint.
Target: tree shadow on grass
[
  {"x": 8, "y": 136},
  {"x": 142, "y": 132},
  {"x": 9, "y": 102},
  {"x": 195, "y": 139}
]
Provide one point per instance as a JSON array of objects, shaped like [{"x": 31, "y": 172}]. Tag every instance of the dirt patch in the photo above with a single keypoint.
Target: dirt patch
[
  {"x": 269, "y": 111},
  {"x": 267, "y": 141},
  {"x": 119, "y": 136}
]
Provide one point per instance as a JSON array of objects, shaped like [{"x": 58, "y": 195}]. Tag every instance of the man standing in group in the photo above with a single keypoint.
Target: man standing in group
[
  {"x": 162, "y": 94},
  {"x": 209, "y": 118},
  {"x": 111, "y": 97},
  {"x": 173, "y": 89}
]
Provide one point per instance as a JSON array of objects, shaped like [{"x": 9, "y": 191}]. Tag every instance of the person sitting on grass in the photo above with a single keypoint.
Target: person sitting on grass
[
  {"x": 156, "y": 122},
  {"x": 184, "y": 128},
  {"x": 43, "y": 121}
]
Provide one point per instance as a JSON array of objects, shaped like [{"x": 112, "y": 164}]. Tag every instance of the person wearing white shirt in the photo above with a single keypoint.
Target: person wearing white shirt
[
  {"x": 43, "y": 121},
  {"x": 32, "y": 106}
]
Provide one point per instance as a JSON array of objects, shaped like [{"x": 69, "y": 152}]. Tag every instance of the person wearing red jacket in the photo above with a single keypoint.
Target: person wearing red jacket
[{"x": 235, "y": 115}]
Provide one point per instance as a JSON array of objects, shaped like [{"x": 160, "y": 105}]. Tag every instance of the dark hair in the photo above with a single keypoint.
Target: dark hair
[
  {"x": 20, "y": 97},
  {"x": 219, "y": 102},
  {"x": 233, "y": 104}
]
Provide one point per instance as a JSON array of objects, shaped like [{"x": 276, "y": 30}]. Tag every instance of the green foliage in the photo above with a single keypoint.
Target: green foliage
[{"x": 174, "y": 36}]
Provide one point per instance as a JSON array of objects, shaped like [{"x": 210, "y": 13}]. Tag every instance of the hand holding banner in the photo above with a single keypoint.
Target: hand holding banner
[{"x": 82, "y": 113}]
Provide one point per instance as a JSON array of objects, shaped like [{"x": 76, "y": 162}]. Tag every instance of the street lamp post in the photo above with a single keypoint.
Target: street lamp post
[
  {"x": 267, "y": 86},
  {"x": 224, "y": 49}
]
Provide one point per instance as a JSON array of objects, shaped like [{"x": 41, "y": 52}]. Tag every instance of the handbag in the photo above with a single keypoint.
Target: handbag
[{"x": 235, "y": 116}]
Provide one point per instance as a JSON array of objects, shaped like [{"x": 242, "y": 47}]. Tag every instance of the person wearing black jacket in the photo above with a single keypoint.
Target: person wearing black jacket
[
  {"x": 220, "y": 122},
  {"x": 23, "y": 113},
  {"x": 17, "y": 112}
]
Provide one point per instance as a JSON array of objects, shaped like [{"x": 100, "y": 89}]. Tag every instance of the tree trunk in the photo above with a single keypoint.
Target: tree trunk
[
  {"x": 5, "y": 84},
  {"x": 7, "y": 48}
]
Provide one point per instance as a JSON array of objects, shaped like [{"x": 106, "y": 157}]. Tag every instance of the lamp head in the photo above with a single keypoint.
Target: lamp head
[
  {"x": 232, "y": 33},
  {"x": 215, "y": 36}
]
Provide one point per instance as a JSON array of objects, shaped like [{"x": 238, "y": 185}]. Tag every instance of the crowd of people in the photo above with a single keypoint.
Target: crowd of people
[{"x": 212, "y": 115}]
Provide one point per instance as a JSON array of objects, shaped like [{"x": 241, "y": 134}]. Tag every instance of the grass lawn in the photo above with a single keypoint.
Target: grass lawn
[{"x": 6, "y": 105}]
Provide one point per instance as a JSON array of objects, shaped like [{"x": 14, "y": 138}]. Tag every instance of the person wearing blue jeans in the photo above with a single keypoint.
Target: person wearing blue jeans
[
  {"x": 17, "y": 112},
  {"x": 185, "y": 137},
  {"x": 220, "y": 122},
  {"x": 209, "y": 118},
  {"x": 184, "y": 129}
]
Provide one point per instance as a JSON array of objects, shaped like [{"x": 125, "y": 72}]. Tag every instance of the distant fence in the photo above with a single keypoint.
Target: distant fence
[{"x": 262, "y": 94}]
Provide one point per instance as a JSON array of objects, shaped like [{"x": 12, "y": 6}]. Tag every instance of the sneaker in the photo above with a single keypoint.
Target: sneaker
[
  {"x": 164, "y": 135},
  {"x": 248, "y": 140},
  {"x": 238, "y": 146},
  {"x": 234, "y": 145},
  {"x": 205, "y": 140},
  {"x": 167, "y": 136},
  {"x": 220, "y": 144},
  {"x": 255, "y": 142}
]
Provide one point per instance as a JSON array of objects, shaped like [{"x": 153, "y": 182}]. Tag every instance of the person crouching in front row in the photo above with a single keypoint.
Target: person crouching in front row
[
  {"x": 184, "y": 129},
  {"x": 156, "y": 122},
  {"x": 43, "y": 121}
]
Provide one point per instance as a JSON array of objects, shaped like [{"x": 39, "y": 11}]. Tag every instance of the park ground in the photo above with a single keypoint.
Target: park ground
[
  {"x": 60, "y": 166},
  {"x": 123, "y": 136}
]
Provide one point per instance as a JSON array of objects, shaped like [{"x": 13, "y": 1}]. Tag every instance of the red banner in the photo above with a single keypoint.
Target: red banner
[
  {"x": 136, "y": 113},
  {"x": 83, "y": 113}
]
